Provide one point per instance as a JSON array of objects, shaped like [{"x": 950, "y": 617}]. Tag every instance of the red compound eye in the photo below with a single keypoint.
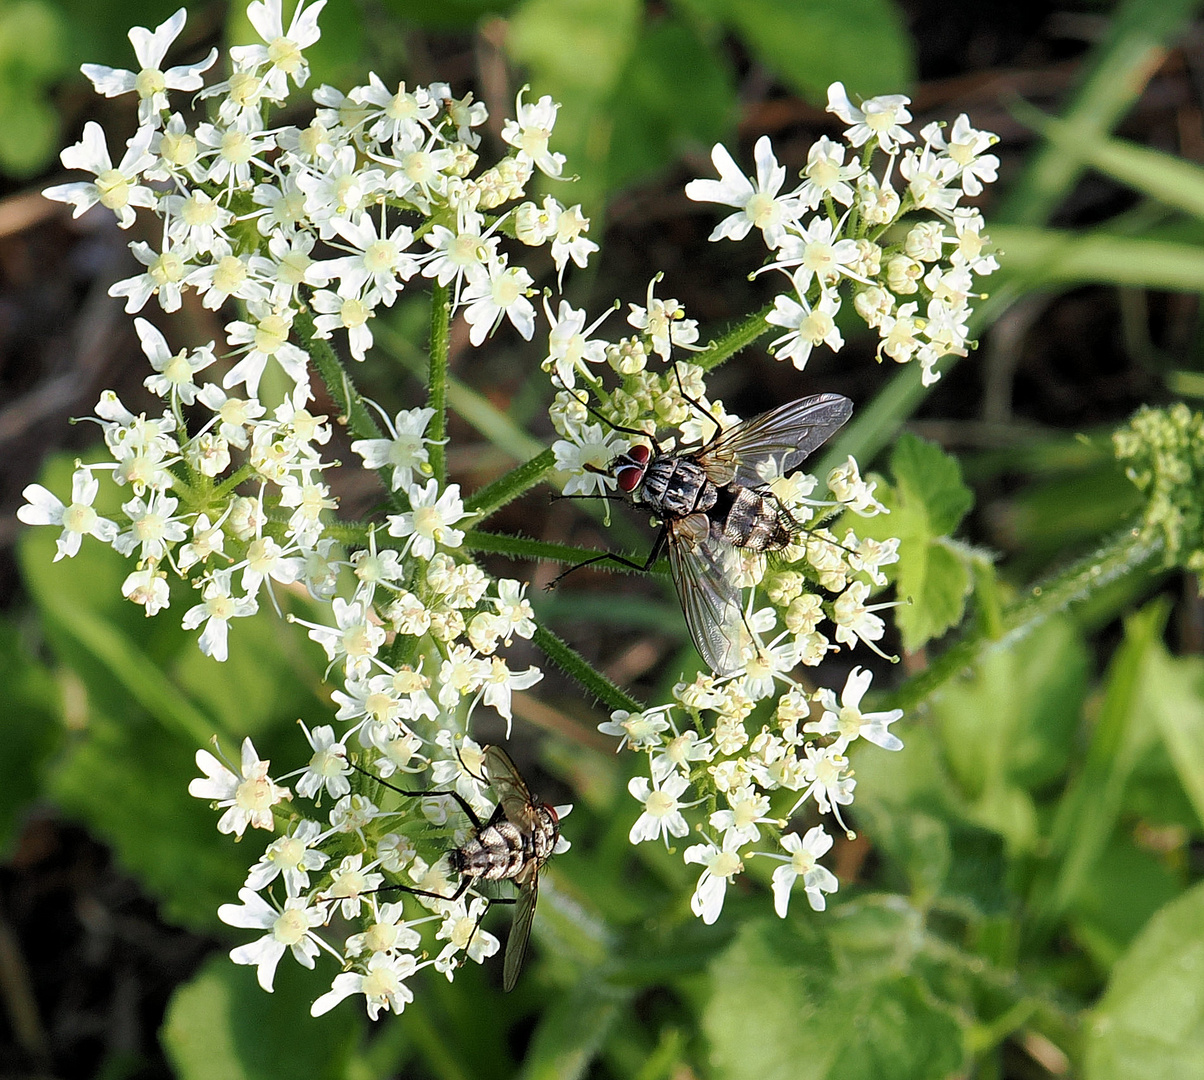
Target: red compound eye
[
  {"x": 639, "y": 454},
  {"x": 629, "y": 476}
]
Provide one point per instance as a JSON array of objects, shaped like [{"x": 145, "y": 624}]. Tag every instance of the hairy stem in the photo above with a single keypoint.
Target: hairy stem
[
  {"x": 1124, "y": 553},
  {"x": 437, "y": 378},
  {"x": 738, "y": 337},
  {"x": 509, "y": 487},
  {"x": 360, "y": 421},
  {"x": 575, "y": 665}
]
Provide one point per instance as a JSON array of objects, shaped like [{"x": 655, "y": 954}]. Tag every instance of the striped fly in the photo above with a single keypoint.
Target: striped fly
[{"x": 716, "y": 500}]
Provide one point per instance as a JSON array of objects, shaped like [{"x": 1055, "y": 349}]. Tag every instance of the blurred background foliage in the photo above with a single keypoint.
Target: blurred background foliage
[{"x": 1023, "y": 898}]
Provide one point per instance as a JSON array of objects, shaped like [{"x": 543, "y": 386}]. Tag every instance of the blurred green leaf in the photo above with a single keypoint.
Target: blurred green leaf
[
  {"x": 30, "y": 729},
  {"x": 1009, "y": 726},
  {"x": 1120, "y": 66},
  {"x": 675, "y": 94},
  {"x": 447, "y": 14},
  {"x": 1150, "y": 1022},
  {"x": 786, "y": 1003},
  {"x": 222, "y": 1026},
  {"x": 32, "y": 55},
  {"x": 1055, "y": 257},
  {"x": 571, "y": 1031},
  {"x": 926, "y": 504},
  {"x": 812, "y": 43},
  {"x": 1089, "y": 809},
  {"x": 1178, "y": 708}
]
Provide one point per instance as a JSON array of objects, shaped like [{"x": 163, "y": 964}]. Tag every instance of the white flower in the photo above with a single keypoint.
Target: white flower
[
  {"x": 748, "y": 808},
  {"x": 78, "y": 520},
  {"x": 880, "y": 118},
  {"x": 586, "y": 456},
  {"x": 291, "y": 928},
  {"x": 815, "y": 252},
  {"x": 662, "y": 814},
  {"x": 291, "y": 856},
  {"x": 282, "y": 51},
  {"x": 355, "y": 636},
  {"x": 965, "y": 148},
  {"x": 390, "y": 933},
  {"x": 151, "y": 83},
  {"x": 147, "y": 588},
  {"x": 846, "y": 720},
  {"x": 808, "y": 326},
  {"x": 430, "y": 519},
  {"x": 641, "y": 729},
  {"x": 827, "y": 175},
  {"x": 175, "y": 378},
  {"x": 461, "y": 929},
  {"x": 760, "y": 205},
  {"x": 501, "y": 292},
  {"x": 802, "y": 861},
  {"x": 382, "y": 983},
  {"x": 248, "y": 795},
  {"x": 499, "y": 682},
  {"x": 349, "y": 881},
  {"x": 152, "y": 527},
  {"x": 328, "y": 768},
  {"x": 117, "y": 189},
  {"x": 378, "y": 259},
  {"x": 267, "y": 338},
  {"x": 665, "y": 322},
  {"x": 216, "y": 610},
  {"x": 722, "y": 864},
  {"x": 529, "y": 133},
  {"x": 569, "y": 242},
  {"x": 569, "y": 346},
  {"x": 404, "y": 450}
]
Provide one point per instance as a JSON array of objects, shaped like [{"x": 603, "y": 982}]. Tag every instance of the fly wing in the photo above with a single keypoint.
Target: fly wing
[
  {"x": 698, "y": 558},
  {"x": 520, "y": 929},
  {"x": 757, "y": 451},
  {"x": 510, "y": 788}
]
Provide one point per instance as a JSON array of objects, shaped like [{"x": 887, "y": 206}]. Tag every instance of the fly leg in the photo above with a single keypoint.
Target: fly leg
[
  {"x": 658, "y": 546},
  {"x": 462, "y": 802}
]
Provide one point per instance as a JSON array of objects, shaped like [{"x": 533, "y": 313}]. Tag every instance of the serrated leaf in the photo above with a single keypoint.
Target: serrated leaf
[
  {"x": 787, "y": 1003},
  {"x": 926, "y": 503},
  {"x": 810, "y": 44},
  {"x": 928, "y": 477},
  {"x": 221, "y": 1024},
  {"x": 1150, "y": 1021}
]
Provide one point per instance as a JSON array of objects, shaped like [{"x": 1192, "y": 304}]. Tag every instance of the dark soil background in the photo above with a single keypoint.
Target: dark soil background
[{"x": 86, "y": 967}]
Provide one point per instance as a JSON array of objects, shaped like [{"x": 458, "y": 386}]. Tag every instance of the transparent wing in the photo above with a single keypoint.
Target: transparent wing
[
  {"x": 756, "y": 451},
  {"x": 698, "y": 557},
  {"x": 520, "y": 929},
  {"x": 510, "y": 788}
]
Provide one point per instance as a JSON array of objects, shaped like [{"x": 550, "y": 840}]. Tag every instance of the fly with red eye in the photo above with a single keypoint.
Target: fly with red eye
[{"x": 716, "y": 500}]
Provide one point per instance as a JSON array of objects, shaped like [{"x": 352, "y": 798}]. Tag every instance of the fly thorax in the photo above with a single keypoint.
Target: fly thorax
[{"x": 675, "y": 487}]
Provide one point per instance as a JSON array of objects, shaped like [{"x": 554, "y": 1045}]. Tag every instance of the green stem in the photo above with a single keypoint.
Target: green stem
[
  {"x": 360, "y": 422},
  {"x": 572, "y": 663},
  {"x": 738, "y": 337},
  {"x": 523, "y": 547},
  {"x": 509, "y": 487},
  {"x": 244, "y": 472},
  {"x": 1124, "y": 553},
  {"x": 437, "y": 379}
]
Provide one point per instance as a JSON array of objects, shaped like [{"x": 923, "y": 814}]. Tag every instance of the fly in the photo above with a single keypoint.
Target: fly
[
  {"x": 513, "y": 845},
  {"x": 716, "y": 499}
]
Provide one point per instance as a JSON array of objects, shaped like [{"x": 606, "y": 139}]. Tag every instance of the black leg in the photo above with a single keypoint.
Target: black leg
[
  {"x": 697, "y": 404},
  {"x": 657, "y": 546},
  {"x": 460, "y": 800}
]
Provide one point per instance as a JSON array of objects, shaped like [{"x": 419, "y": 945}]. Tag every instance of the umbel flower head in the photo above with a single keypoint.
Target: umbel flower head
[{"x": 302, "y": 232}]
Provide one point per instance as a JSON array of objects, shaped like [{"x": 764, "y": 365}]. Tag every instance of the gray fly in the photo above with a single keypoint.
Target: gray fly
[
  {"x": 716, "y": 499},
  {"x": 513, "y": 845}
]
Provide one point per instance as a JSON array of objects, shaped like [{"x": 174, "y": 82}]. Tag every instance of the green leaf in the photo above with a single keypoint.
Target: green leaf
[
  {"x": 222, "y": 1025},
  {"x": 1150, "y": 1022},
  {"x": 446, "y": 14},
  {"x": 812, "y": 43},
  {"x": 1009, "y": 727},
  {"x": 572, "y": 1030},
  {"x": 1178, "y": 708},
  {"x": 674, "y": 94},
  {"x": 1057, "y": 257},
  {"x": 788, "y": 1004},
  {"x": 927, "y": 502},
  {"x": 29, "y": 729},
  {"x": 32, "y": 56},
  {"x": 1089, "y": 809}
]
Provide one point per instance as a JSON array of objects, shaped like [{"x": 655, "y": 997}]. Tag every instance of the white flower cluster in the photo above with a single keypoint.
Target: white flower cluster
[
  {"x": 226, "y": 488},
  {"x": 702, "y": 741},
  {"x": 912, "y": 283}
]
